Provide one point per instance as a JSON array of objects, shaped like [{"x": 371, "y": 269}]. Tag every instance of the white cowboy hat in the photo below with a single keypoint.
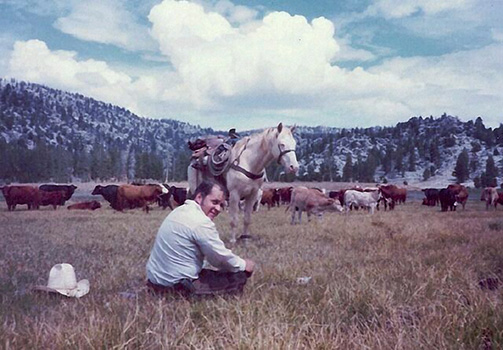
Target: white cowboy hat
[{"x": 62, "y": 280}]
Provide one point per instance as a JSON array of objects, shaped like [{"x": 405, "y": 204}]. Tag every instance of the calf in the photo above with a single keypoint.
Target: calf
[
  {"x": 311, "y": 201},
  {"x": 92, "y": 205},
  {"x": 367, "y": 200}
]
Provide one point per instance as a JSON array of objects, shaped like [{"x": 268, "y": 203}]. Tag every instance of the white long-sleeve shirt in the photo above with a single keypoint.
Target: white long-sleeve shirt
[{"x": 186, "y": 237}]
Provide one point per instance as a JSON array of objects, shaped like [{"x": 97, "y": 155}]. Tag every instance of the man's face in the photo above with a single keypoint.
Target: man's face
[{"x": 213, "y": 203}]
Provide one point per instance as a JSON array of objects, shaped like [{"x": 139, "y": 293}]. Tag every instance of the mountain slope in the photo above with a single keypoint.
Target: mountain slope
[{"x": 32, "y": 115}]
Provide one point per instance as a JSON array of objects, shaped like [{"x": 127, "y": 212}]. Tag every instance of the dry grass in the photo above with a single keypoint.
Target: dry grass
[{"x": 406, "y": 279}]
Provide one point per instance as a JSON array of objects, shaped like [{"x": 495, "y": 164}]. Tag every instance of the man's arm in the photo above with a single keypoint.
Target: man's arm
[{"x": 217, "y": 254}]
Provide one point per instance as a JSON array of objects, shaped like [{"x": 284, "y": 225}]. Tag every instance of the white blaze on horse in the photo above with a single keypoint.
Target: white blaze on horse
[{"x": 245, "y": 175}]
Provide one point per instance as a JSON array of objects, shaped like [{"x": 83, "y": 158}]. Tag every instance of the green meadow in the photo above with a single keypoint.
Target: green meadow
[{"x": 412, "y": 278}]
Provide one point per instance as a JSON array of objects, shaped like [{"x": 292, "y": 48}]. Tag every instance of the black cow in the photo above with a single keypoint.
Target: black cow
[
  {"x": 179, "y": 194},
  {"x": 432, "y": 196},
  {"x": 66, "y": 189},
  {"x": 175, "y": 196},
  {"x": 108, "y": 192},
  {"x": 447, "y": 199}
]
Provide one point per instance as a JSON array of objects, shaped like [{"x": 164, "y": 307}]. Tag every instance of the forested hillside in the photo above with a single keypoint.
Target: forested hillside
[{"x": 52, "y": 135}]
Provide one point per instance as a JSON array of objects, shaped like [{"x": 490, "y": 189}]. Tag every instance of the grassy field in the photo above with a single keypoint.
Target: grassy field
[{"x": 407, "y": 279}]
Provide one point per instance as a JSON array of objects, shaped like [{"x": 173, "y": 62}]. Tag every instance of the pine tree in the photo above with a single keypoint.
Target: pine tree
[
  {"x": 488, "y": 178},
  {"x": 491, "y": 169},
  {"x": 461, "y": 169},
  {"x": 387, "y": 162},
  {"x": 347, "y": 171}
]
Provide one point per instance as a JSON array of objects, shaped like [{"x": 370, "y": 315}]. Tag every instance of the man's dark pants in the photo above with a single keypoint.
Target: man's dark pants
[{"x": 209, "y": 283}]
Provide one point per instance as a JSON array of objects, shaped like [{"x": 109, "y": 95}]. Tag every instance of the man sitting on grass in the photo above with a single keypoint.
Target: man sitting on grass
[{"x": 185, "y": 239}]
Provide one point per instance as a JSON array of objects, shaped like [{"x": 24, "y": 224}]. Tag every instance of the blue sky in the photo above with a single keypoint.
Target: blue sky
[{"x": 251, "y": 64}]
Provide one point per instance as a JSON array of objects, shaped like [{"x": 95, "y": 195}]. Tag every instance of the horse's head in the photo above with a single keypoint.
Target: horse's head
[{"x": 284, "y": 148}]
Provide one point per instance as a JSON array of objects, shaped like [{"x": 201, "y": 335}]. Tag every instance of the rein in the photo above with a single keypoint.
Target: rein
[{"x": 235, "y": 166}]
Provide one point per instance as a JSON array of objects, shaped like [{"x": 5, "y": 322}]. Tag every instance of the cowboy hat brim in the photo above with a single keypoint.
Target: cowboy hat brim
[{"x": 77, "y": 292}]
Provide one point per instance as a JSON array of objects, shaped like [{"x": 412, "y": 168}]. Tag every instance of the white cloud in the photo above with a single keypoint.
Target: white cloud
[
  {"x": 497, "y": 34},
  {"x": 349, "y": 53},
  {"x": 466, "y": 83},
  {"x": 405, "y": 8},
  {"x": 257, "y": 72},
  {"x": 107, "y": 22},
  {"x": 38, "y": 7},
  {"x": 33, "y": 61},
  {"x": 235, "y": 13},
  {"x": 283, "y": 54}
]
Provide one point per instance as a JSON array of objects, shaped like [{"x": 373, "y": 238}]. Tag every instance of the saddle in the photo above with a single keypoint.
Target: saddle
[
  {"x": 213, "y": 155},
  {"x": 219, "y": 159}
]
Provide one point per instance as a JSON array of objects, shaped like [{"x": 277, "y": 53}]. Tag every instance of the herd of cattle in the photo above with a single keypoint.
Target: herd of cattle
[
  {"x": 298, "y": 199},
  {"x": 120, "y": 197}
]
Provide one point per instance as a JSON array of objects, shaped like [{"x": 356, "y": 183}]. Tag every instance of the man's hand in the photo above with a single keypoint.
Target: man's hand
[{"x": 250, "y": 266}]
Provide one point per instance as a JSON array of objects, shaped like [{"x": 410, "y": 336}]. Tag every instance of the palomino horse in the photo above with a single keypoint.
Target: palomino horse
[{"x": 245, "y": 175}]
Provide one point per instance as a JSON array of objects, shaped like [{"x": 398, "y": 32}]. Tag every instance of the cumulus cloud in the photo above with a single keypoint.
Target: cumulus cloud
[
  {"x": 278, "y": 67},
  {"x": 236, "y": 14},
  {"x": 107, "y": 22},
  {"x": 284, "y": 53},
  {"x": 33, "y": 61}
]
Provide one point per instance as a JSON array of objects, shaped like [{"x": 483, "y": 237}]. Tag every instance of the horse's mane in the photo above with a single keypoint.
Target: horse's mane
[
  {"x": 252, "y": 138},
  {"x": 260, "y": 136}
]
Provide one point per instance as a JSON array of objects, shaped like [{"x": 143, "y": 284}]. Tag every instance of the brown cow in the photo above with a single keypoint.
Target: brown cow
[
  {"x": 460, "y": 192},
  {"x": 92, "y": 205},
  {"x": 269, "y": 196},
  {"x": 500, "y": 198},
  {"x": 15, "y": 195},
  {"x": 312, "y": 201},
  {"x": 285, "y": 194},
  {"x": 51, "y": 198},
  {"x": 129, "y": 196},
  {"x": 392, "y": 195}
]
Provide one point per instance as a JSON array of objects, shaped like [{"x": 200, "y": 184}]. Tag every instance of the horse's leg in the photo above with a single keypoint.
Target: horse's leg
[
  {"x": 234, "y": 213},
  {"x": 249, "y": 201}
]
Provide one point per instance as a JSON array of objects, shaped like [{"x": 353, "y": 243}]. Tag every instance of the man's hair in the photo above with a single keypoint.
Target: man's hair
[{"x": 206, "y": 187}]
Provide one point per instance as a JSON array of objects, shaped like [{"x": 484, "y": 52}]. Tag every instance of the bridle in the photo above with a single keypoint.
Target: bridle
[{"x": 282, "y": 153}]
